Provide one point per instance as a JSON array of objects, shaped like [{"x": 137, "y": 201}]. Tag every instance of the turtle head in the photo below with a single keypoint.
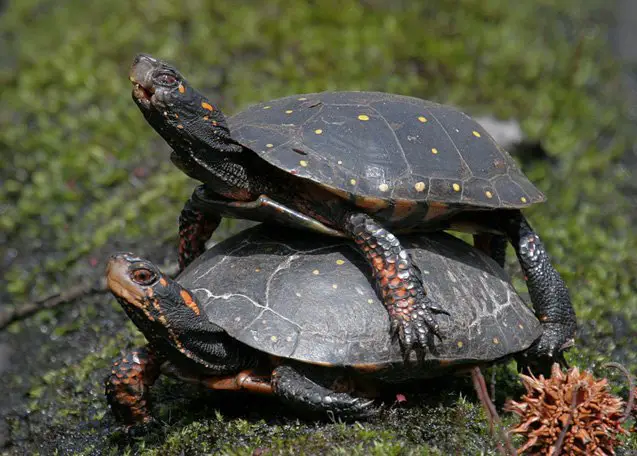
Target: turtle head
[
  {"x": 193, "y": 126},
  {"x": 160, "y": 307}
]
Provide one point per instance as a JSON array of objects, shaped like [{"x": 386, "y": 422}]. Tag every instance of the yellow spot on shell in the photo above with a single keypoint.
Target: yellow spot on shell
[
  {"x": 495, "y": 340},
  {"x": 423, "y": 119},
  {"x": 181, "y": 88},
  {"x": 269, "y": 145},
  {"x": 460, "y": 344},
  {"x": 315, "y": 272},
  {"x": 340, "y": 262},
  {"x": 257, "y": 270},
  {"x": 383, "y": 187},
  {"x": 205, "y": 117},
  {"x": 476, "y": 134},
  {"x": 274, "y": 338},
  {"x": 289, "y": 111},
  {"x": 318, "y": 131},
  {"x": 434, "y": 151},
  {"x": 370, "y": 301},
  {"x": 334, "y": 286},
  {"x": 340, "y": 162},
  {"x": 456, "y": 187},
  {"x": 523, "y": 199},
  {"x": 302, "y": 99},
  {"x": 489, "y": 194},
  {"x": 420, "y": 186},
  {"x": 352, "y": 181},
  {"x": 207, "y": 106},
  {"x": 303, "y": 163},
  {"x": 363, "y": 117},
  {"x": 521, "y": 326},
  {"x": 267, "y": 107},
  {"x": 180, "y": 126}
]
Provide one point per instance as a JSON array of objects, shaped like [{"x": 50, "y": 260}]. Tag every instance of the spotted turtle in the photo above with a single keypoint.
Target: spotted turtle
[
  {"x": 362, "y": 165},
  {"x": 275, "y": 311}
]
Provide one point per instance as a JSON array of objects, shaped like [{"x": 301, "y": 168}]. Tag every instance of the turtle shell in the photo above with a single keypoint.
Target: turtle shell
[
  {"x": 385, "y": 147},
  {"x": 309, "y": 298}
]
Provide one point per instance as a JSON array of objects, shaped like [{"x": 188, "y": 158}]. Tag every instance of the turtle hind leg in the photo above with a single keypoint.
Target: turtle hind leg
[
  {"x": 126, "y": 387},
  {"x": 548, "y": 292},
  {"x": 398, "y": 282},
  {"x": 195, "y": 228},
  {"x": 303, "y": 390},
  {"x": 494, "y": 245}
]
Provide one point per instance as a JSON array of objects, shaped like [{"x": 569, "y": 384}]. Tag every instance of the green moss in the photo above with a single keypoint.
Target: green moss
[{"x": 82, "y": 174}]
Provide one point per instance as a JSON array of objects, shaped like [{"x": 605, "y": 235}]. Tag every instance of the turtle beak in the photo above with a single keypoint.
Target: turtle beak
[
  {"x": 141, "y": 76},
  {"x": 118, "y": 281}
]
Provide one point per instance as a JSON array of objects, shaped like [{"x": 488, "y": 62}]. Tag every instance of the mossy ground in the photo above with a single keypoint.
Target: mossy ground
[{"x": 83, "y": 175}]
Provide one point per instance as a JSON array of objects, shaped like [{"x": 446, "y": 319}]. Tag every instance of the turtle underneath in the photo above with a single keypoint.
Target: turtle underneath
[{"x": 273, "y": 311}]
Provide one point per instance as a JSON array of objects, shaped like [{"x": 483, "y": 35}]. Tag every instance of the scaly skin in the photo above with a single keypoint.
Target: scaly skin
[
  {"x": 549, "y": 295},
  {"x": 398, "y": 281},
  {"x": 195, "y": 228},
  {"x": 126, "y": 387},
  {"x": 300, "y": 391}
]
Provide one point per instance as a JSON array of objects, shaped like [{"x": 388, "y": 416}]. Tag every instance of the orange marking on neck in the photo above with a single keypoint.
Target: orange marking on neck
[
  {"x": 163, "y": 282},
  {"x": 190, "y": 303},
  {"x": 182, "y": 89},
  {"x": 207, "y": 106}
]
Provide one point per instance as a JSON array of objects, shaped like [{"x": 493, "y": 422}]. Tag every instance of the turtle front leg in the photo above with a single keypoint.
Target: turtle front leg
[
  {"x": 303, "y": 390},
  {"x": 549, "y": 295},
  {"x": 398, "y": 282},
  {"x": 126, "y": 387},
  {"x": 196, "y": 225}
]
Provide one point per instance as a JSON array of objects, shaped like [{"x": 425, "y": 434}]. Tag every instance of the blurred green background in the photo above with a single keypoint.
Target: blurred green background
[{"x": 82, "y": 175}]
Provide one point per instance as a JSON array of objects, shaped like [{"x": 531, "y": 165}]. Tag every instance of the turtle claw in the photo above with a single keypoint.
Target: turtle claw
[
  {"x": 548, "y": 349},
  {"x": 416, "y": 330}
]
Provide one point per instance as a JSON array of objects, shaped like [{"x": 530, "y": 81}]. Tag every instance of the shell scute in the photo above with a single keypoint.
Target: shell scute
[{"x": 384, "y": 146}]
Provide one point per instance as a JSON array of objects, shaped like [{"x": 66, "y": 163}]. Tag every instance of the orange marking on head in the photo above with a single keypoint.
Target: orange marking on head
[
  {"x": 182, "y": 89},
  {"x": 190, "y": 303},
  {"x": 207, "y": 106}
]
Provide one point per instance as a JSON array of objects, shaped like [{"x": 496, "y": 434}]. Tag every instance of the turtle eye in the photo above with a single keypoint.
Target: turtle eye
[
  {"x": 167, "y": 79},
  {"x": 143, "y": 276}
]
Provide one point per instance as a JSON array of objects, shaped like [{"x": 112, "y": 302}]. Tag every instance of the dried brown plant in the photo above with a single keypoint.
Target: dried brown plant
[{"x": 570, "y": 413}]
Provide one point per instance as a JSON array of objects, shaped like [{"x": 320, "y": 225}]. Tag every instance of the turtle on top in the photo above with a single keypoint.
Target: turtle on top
[
  {"x": 264, "y": 312},
  {"x": 361, "y": 165}
]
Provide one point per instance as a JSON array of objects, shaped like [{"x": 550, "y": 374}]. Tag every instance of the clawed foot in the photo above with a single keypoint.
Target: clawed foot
[
  {"x": 548, "y": 349},
  {"x": 416, "y": 328}
]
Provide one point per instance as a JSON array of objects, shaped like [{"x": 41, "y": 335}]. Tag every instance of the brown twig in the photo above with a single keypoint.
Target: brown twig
[
  {"x": 31, "y": 308},
  {"x": 631, "y": 389},
  {"x": 85, "y": 288},
  {"x": 480, "y": 386},
  {"x": 560, "y": 439}
]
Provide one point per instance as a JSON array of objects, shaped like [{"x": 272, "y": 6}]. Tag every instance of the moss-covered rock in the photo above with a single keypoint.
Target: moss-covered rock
[{"x": 83, "y": 175}]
